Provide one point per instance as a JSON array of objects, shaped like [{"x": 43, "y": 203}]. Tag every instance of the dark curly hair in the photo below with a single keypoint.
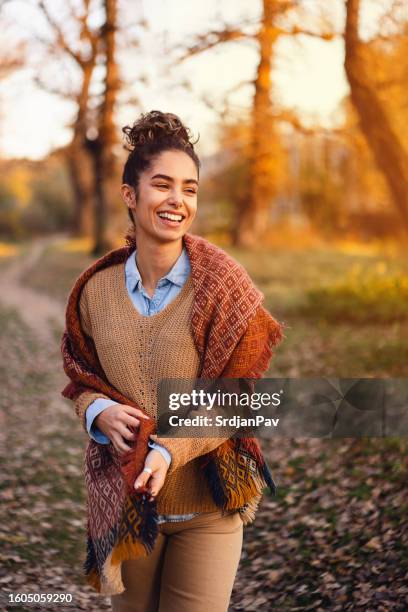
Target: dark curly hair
[{"x": 150, "y": 135}]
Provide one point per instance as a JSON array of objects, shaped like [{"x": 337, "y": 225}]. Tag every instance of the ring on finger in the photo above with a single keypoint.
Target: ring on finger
[{"x": 147, "y": 469}]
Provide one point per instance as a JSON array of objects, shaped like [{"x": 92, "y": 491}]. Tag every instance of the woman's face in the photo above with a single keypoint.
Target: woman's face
[{"x": 166, "y": 201}]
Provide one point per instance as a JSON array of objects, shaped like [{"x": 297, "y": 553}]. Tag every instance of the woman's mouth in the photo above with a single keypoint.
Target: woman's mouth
[{"x": 170, "y": 219}]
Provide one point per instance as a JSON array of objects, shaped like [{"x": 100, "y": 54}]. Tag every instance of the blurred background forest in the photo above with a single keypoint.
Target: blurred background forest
[
  {"x": 301, "y": 108},
  {"x": 302, "y": 115},
  {"x": 78, "y": 70}
]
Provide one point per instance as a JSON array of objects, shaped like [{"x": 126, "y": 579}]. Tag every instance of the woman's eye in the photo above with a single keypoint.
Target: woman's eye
[
  {"x": 191, "y": 191},
  {"x": 162, "y": 185}
]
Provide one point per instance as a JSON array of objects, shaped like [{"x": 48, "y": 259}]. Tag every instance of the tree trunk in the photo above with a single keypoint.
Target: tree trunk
[
  {"x": 80, "y": 173},
  {"x": 79, "y": 162},
  {"x": 388, "y": 151},
  {"x": 101, "y": 243},
  {"x": 107, "y": 127},
  {"x": 76, "y": 154},
  {"x": 253, "y": 217},
  {"x": 102, "y": 147}
]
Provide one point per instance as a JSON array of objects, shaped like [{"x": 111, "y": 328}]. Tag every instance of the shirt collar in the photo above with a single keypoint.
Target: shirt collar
[{"x": 177, "y": 275}]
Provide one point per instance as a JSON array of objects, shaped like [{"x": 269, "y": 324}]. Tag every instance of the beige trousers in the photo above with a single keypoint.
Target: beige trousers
[{"x": 192, "y": 567}]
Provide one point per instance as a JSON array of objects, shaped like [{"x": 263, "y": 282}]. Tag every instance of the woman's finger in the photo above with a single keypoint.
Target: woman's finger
[
  {"x": 130, "y": 420},
  {"x": 135, "y": 412},
  {"x": 125, "y": 432},
  {"x": 142, "y": 479},
  {"x": 155, "y": 483},
  {"x": 119, "y": 444}
]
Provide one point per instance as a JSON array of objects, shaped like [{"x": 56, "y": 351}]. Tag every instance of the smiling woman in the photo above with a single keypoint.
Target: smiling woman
[
  {"x": 157, "y": 142},
  {"x": 166, "y": 515},
  {"x": 160, "y": 185},
  {"x": 168, "y": 199}
]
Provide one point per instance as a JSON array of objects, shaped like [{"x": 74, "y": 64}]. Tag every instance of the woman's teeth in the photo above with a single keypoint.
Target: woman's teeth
[{"x": 170, "y": 216}]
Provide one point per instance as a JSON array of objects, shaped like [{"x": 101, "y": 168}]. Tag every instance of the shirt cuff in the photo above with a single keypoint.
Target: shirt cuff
[
  {"x": 161, "y": 450},
  {"x": 95, "y": 408}
]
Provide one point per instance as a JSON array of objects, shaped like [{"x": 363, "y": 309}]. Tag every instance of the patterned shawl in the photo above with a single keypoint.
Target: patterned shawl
[{"x": 122, "y": 523}]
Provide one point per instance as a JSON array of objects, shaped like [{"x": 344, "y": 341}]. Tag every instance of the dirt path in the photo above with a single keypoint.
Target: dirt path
[
  {"x": 36, "y": 309},
  {"x": 42, "y": 504}
]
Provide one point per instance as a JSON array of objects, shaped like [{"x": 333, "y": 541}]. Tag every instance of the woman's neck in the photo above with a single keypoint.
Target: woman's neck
[{"x": 154, "y": 260}]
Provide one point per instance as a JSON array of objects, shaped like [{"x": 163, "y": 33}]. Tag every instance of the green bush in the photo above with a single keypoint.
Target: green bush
[{"x": 367, "y": 297}]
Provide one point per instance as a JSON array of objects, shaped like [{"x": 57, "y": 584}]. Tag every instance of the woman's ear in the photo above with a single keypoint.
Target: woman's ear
[{"x": 128, "y": 196}]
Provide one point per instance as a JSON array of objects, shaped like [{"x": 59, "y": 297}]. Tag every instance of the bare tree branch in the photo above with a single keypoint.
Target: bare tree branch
[
  {"x": 72, "y": 11},
  {"x": 66, "y": 95},
  {"x": 214, "y": 107},
  {"x": 12, "y": 61},
  {"x": 214, "y": 38},
  {"x": 239, "y": 85},
  {"x": 61, "y": 39},
  {"x": 291, "y": 117},
  {"x": 296, "y": 30},
  {"x": 396, "y": 16}
]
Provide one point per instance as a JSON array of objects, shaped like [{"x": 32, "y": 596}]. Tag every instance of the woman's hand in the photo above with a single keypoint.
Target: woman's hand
[
  {"x": 114, "y": 422},
  {"x": 154, "y": 481}
]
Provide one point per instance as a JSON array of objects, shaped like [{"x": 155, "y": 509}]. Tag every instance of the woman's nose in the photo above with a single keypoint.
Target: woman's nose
[{"x": 175, "y": 200}]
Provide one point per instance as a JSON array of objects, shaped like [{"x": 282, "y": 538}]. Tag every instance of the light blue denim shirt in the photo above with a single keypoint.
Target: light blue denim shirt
[{"x": 166, "y": 290}]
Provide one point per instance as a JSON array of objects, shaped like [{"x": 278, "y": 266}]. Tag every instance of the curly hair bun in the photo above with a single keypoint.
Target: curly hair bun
[
  {"x": 152, "y": 134},
  {"x": 156, "y": 126}
]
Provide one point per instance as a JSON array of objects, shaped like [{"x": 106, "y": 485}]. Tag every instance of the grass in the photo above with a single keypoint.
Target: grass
[
  {"x": 326, "y": 333},
  {"x": 360, "y": 298},
  {"x": 58, "y": 268}
]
